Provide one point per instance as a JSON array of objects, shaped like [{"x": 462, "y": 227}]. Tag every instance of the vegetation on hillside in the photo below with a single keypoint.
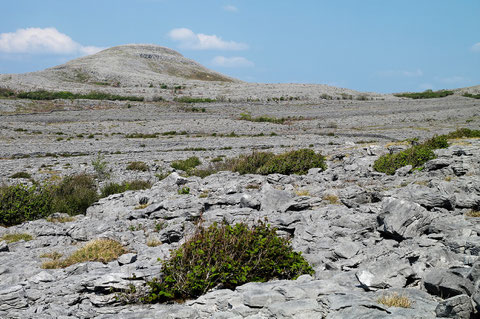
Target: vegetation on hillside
[
  {"x": 51, "y": 95},
  {"x": 428, "y": 94}
]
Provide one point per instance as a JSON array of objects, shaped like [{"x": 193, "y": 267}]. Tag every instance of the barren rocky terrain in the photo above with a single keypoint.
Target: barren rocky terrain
[{"x": 366, "y": 234}]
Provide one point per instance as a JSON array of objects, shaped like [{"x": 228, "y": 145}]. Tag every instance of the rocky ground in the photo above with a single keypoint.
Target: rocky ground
[{"x": 367, "y": 234}]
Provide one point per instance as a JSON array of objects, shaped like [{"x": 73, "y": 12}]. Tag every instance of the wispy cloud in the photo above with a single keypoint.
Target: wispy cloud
[
  {"x": 232, "y": 62},
  {"x": 451, "y": 79},
  {"x": 402, "y": 73},
  {"x": 476, "y": 47},
  {"x": 38, "y": 40},
  {"x": 199, "y": 41},
  {"x": 230, "y": 8}
]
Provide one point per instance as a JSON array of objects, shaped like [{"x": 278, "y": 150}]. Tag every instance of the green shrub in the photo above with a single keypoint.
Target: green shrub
[
  {"x": 294, "y": 162},
  {"x": 184, "y": 191},
  {"x": 101, "y": 166},
  {"x": 47, "y": 95},
  {"x": 186, "y": 165},
  {"x": 4, "y": 92},
  {"x": 473, "y": 96},
  {"x": 114, "y": 188},
  {"x": 248, "y": 117},
  {"x": 188, "y": 99},
  {"x": 21, "y": 175},
  {"x": 229, "y": 256},
  {"x": 75, "y": 194},
  {"x": 428, "y": 94},
  {"x": 137, "y": 166},
  {"x": 20, "y": 203},
  {"x": 416, "y": 156},
  {"x": 141, "y": 135},
  {"x": 464, "y": 132}
]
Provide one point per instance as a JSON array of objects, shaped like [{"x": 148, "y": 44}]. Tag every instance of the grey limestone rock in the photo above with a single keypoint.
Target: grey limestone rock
[
  {"x": 459, "y": 307},
  {"x": 401, "y": 219}
]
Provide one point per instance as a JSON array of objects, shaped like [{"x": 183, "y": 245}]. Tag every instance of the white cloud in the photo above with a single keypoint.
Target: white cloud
[
  {"x": 199, "y": 41},
  {"x": 476, "y": 47},
  {"x": 404, "y": 73},
  {"x": 230, "y": 8},
  {"x": 233, "y": 62},
  {"x": 38, "y": 40}
]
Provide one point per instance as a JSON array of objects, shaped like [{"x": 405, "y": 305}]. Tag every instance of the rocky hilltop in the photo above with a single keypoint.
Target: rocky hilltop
[{"x": 154, "y": 71}]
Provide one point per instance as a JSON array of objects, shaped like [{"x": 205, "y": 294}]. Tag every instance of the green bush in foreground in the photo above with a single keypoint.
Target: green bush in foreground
[
  {"x": 418, "y": 155},
  {"x": 229, "y": 256},
  {"x": 428, "y": 94}
]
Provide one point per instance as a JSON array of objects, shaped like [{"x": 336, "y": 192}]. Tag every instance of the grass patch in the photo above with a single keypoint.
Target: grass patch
[
  {"x": 114, "y": 188},
  {"x": 186, "y": 165},
  {"x": 331, "y": 199},
  {"x": 428, "y": 94},
  {"x": 102, "y": 250},
  {"x": 48, "y": 95},
  {"x": 153, "y": 243},
  {"x": 264, "y": 163},
  {"x": 21, "y": 175},
  {"x": 473, "y": 96},
  {"x": 418, "y": 155},
  {"x": 395, "y": 300},
  {"x": 12, "y": 238},
  {"x": 141, "y": 135},
  {"x": 137, "y": 166},
  {"x": 189, "y": 99},
  {"x": 229, "y": 256},
  {"x": 184, "y": 191}
]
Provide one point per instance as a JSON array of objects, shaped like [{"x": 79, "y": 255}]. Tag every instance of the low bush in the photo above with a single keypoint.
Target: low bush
[
  {"x": 418, "y": 155},
  {"x": 141, "y": 135},
  {"x": 229, "y": 256},
  {"x": 102, "y": 250},
  {"x": 21, "y": 203},
  {"x": 48, "y": 95},
  {"x": 428, "y": 94},
  {"x": 473, "y": 96},
  {"x": 114, "y": 188},
  {"x": 4, "y": 92},
  {"x": 188, "y": 99},
  {"x": 74, "y": 194},
  {"x": 21, "y": 175},
  {"x": 137, "y": 166},
  {"x": 294, "y": 162},
  {"x": 186, "y": 165},
  {"x": 248, "y": 117}
]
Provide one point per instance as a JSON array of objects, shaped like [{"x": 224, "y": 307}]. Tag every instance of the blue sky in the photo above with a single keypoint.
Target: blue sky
[{"x": 367, "y": 45}]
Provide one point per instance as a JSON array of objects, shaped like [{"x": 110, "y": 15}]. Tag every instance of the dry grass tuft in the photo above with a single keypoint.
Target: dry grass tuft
[
  {"x": 153, "y": 243},
  {"x": 60, "y": 219},
  {"x": 473, "y": 213},
  {"x": 12, "y": 238},
  {"x": 395, "y": 300},
  {"x": 103, "y": 250},
  {"x": 302, "y": 192},
  {"x": 332, "y": 199}
]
